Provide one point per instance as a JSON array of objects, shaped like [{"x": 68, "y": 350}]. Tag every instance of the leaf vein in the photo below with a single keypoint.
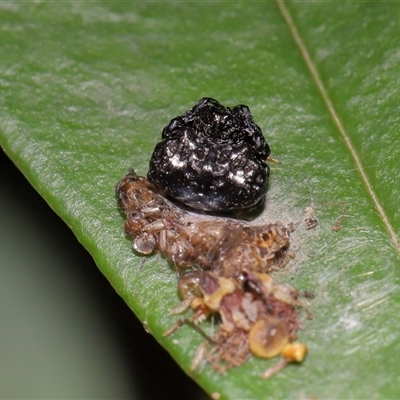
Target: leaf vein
[{"x": 334, "y": 115}]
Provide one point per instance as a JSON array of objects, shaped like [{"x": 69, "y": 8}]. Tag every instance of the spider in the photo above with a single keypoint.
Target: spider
[
  {"x": 209, "y": 166},
  {"x": 212, "y": 159}
]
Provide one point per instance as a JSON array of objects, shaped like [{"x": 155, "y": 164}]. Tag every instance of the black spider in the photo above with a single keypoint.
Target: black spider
[{"x": 212, "y": 158}]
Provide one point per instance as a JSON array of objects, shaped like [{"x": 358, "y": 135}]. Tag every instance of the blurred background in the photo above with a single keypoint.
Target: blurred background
[{"x": 64, "y": 332}]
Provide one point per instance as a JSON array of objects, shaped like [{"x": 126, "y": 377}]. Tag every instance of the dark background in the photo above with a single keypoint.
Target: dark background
[{"x": 150, "y": 371}]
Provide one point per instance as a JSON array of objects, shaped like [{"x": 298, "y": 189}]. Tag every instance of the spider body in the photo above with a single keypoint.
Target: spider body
[{"x": 212, "y": 159}]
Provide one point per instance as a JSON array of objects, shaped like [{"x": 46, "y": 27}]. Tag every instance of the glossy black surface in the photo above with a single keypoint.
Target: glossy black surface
[{"x": 212, "y": 159}]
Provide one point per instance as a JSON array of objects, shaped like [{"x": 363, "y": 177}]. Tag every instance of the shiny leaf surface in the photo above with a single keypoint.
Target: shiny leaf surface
[{"x": 88, "y": 86}]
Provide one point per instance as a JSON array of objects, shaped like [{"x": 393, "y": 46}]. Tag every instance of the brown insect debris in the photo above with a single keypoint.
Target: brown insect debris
[{"x": 224, "y": 267}]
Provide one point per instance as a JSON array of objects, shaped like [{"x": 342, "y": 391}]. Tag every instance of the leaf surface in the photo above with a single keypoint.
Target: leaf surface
[{"x": 88, "y": 86}]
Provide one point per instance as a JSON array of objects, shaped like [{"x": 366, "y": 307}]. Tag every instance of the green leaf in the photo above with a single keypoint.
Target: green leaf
[{"x": 86, "y": 88}]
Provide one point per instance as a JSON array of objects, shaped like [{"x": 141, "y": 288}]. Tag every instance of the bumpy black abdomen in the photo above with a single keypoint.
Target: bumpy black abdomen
[{"x": 212, "y": 158}]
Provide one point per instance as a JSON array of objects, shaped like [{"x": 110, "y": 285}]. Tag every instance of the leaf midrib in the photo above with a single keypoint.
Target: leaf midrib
[{"x": 337, "y": 121}]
